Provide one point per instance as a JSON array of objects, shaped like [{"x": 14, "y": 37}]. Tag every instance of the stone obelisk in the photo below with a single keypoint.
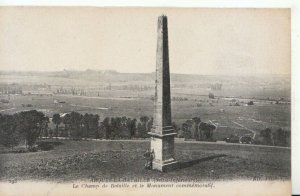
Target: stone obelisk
[{"x": 162, "y": 133}]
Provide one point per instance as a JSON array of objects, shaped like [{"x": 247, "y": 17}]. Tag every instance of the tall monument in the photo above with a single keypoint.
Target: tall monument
[{"x": 162, "y": 133}]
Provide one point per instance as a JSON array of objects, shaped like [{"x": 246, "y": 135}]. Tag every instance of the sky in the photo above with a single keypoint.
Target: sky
[{"x": 201, "y": 40}]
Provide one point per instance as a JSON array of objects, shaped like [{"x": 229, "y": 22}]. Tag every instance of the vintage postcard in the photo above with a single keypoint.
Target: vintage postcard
[{"x": 131, "y": 101}]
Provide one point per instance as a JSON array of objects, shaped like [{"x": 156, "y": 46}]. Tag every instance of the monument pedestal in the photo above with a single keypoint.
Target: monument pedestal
[
  {"x": 166, "y": 166},
  {"x": 163, "y": 147}
]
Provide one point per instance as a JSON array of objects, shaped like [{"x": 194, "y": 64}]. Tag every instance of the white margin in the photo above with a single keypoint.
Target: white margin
[{"x": 295, "y": 15}]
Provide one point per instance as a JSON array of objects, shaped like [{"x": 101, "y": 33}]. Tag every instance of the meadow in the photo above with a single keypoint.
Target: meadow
[
  {"x": 240, "y": 120},
  {"x": 86, "y": 160},
  {"x": 230, "y": 120},
  {"x": 114, "y": 160}
]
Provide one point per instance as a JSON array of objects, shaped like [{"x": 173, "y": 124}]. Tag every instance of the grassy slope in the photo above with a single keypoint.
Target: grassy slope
[{"x": 85, "y": 160}]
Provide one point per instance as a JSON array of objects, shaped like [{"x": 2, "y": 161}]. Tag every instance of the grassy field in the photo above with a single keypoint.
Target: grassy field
[
  {"x": 95, "y": 160},
  {"x": 134, "y": 103},
  {"x": 240, "y": 120}
]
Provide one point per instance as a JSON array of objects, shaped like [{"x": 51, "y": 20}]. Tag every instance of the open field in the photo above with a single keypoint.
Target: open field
[
  {"x": 238, "y": 120},
  {"x": 130, "y": 96},
  {"x": 258, "y": 86},
  {"x": 96, "y": 160}
]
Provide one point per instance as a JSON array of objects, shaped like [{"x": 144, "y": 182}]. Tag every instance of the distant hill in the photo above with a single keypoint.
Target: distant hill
[
  {"x": 275, "y": 86},
  {"x": 113, "y": 75}
]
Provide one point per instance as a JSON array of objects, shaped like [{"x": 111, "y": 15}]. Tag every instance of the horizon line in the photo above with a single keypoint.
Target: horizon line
[{"x": 112, "y": 70}]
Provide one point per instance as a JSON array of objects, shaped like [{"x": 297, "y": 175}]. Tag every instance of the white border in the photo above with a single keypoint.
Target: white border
[
  {"x": 155, "y": 3},
  {"x": 293, "y": 4}
]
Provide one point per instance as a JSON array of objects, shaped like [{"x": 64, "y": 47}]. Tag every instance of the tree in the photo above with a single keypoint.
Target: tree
[
  {"x": 186, "y": 128},
  {"x": 107, "y": 127},
  {"x": 67, "y": 122},
  {"x": 124, "y": 130},
  {"x": 267, "y": 136},
  {"x": 143, "y": 126},
  {"x": 281, "y": 137},
  {"x": 149, "y": 126},
  {"x": 144, "y": 119},
  {"x": 211, "y": 96},
  {"x": 196, "y": 121},
  {"x": 250, "y": 103},
  {"x": 9, "y": 135},
  {"x": 45, "y": 127},
  {"x": 56, "y": 120},
  {"x": 175, "y": 127},
  {"x": 131, "y": 126},
  {"x": 139, "y": 129},
  {"x": 30, "y": 123},
  {"x": 94, "y": 124},
  {"x": 101, "y": 132},
  {"x": 76, "y": 125},
  {"x": 207, "y": 129},
  {"x": 86, "y": 124},
  {"x": 115, "y": 127}
]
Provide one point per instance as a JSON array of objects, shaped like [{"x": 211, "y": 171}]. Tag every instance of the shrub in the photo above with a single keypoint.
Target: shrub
[
  {"x": 250, "y": 103},
  {"x": 45, "y": 146},
  {"x": 20, "y": 150},
  {"x": 211, "y": 95},
  {"x": 33, "y": 149}
]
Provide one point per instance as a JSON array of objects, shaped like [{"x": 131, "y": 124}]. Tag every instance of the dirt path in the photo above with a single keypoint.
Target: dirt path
[
  {"x": 93, "y": 97},
  {"x": 178, "y": 141},
  {"x": 7, "y": 109},
  {"x": 85, "y": 106},
  {"x": 252, "y": 131}
]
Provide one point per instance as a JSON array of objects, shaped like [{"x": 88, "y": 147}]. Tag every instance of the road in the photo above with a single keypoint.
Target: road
[
  {"x": 182, "y": 141},
  {"x": 254, "y": 133},
  {"x": 7, "y": 109}
]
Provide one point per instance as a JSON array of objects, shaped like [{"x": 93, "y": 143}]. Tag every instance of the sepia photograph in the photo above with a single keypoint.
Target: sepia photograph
[{"x": 121, "y": 100}]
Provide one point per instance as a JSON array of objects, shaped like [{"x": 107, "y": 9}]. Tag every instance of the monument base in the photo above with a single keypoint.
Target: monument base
[
  {"x": 164, "y": 167},
  {"x": 163, "y": 147}
]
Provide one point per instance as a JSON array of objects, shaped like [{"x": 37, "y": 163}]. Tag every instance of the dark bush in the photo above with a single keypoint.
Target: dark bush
[
  {"x": 45, "y": 146},
  {"x": 33, "y": 149},
  {"x": 250, "y": 103},
  {"x": 56, "y": 143},
  {"x": 232, "y": 139},
  {"x": 211, "y": 96},
  {"x": 257, "y": 142},
  {"x": 236, "y": 104},
  {"x": 20, "y": 150}
]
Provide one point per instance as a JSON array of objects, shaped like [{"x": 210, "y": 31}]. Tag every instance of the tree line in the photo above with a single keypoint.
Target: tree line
[
  {"x": 28, "y": 126},
  {"x": 277, "y": 137},
  {"x": 196, "y": 129},
  {"x": 77, "y": 126}
]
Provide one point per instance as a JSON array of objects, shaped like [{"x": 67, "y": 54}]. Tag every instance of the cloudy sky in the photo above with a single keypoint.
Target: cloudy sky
[{"x": 201, "y": 41}]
